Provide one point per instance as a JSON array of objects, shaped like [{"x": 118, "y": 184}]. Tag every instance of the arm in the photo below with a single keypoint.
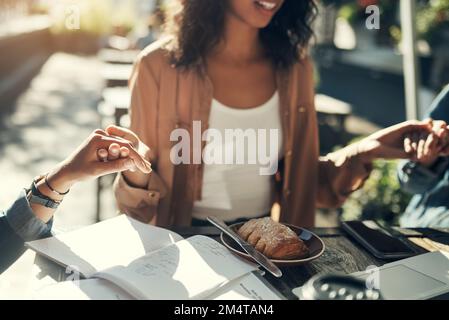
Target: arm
[
  {"x": 340, "y": 173},
  {"x": 28, "y": 220},
  {"x": 19, "y": 224},
  {"x": 424, "y": 172},
  {"x": 345, "y": 171},
  {"x": 138, "y": 195}
]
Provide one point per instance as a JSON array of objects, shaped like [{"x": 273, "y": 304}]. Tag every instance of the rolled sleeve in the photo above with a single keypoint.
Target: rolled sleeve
[
  {"x": 340, "y": 174},
  {"x": 139, "y": 203},
  {"x": 23, "y": 221}
]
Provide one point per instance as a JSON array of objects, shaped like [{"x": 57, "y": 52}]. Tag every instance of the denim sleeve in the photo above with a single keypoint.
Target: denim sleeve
[
  {"x": 19, "y": 224},
  {"x": 23, "y": 221},
  {"x": 417, "y": 179}
]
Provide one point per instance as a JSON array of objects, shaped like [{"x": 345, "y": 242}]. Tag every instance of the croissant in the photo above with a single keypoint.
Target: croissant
[{"x": 274, "y": 240}]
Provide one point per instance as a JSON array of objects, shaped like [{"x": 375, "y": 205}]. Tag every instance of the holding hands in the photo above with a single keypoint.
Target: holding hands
[
  {"x": 426, "y": 147},
  {"x": 420, "y": 141},
  {"x": 103, "y": 152}
]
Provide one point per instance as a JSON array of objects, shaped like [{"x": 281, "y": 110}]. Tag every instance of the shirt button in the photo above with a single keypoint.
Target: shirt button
[
  {"x": 289, "y": 153},
  {"x": 301, "y": 110},
  {"x": 152, "y": 194}
]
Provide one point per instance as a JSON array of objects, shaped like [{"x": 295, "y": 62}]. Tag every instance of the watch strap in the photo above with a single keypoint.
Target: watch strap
[
  {"x": 35, "y": 196},
  {"x": 48, "y": 203}
]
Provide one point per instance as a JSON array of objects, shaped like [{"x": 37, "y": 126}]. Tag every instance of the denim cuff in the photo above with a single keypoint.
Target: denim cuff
[
  {"x": 23, "y": 221},
  {"x": 437, "y": 169}
]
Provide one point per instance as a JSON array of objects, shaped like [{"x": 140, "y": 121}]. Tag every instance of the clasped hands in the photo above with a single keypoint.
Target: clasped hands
[
  {"x": 107, "y": 151},
  {"x": 419, "y": 141},
  {"x": 117, "y": 149},
  {"x": 426, "y": 147}
]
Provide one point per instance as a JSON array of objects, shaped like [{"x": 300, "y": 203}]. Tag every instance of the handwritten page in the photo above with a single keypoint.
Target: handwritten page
[
  {"x": 91, "y": 289},
  {"x": 114, "y": 242},
  {"x": 189, "y": 269},
  {"x": 248, "y": 287}
]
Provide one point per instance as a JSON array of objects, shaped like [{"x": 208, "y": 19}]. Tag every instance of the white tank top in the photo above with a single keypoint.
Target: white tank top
[{"x": 233, "y": 186}]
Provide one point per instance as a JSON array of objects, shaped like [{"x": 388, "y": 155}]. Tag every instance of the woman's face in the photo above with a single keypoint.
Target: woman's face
[{"x": 256, "y": 13}]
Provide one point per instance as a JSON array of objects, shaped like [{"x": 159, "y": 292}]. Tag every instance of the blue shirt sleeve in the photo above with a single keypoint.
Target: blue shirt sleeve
[
  {"x": 23, "y": 221},
  {"x": 17, "y": 225},
  {"x": 415, "y": 178}
]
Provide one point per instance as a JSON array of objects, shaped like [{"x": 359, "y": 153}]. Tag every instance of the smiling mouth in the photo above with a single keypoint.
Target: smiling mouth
[{"x": 266, "y": 5}]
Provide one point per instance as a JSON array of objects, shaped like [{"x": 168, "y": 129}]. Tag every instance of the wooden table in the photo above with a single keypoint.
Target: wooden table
[{"x": 342, "y": 255}]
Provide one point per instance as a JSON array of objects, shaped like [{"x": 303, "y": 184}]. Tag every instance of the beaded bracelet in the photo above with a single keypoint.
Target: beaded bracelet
[{"x": 52, "y": 189}]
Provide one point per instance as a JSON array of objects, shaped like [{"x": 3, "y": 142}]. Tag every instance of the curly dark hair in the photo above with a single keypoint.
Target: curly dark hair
[{"x": 199, "y": 26}]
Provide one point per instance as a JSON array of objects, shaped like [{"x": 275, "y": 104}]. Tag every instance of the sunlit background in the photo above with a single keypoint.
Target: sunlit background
[{"x": 64, "y": 67}]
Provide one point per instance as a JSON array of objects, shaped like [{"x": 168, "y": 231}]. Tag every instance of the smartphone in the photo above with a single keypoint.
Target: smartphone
[{"x": 378, "y": 241}]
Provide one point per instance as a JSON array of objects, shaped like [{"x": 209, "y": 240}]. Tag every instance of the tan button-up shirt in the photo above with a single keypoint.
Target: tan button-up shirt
[{"x": 165, "y": 98}]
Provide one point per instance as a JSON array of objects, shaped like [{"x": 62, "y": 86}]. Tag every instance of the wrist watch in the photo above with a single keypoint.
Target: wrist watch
[{"x": 36, "y": 197}]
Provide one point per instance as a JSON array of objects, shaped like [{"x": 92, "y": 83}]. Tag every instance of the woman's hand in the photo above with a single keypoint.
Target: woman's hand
[
  {"x": 426, "y": 148},
  {"x": 389, "y": 143},
  {"x": 99, "y": 155},
  {"x": 134, "y": 178}
]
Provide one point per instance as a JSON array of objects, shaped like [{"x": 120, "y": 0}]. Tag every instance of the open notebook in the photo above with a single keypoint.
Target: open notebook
[{"x": 122, "y": 258}]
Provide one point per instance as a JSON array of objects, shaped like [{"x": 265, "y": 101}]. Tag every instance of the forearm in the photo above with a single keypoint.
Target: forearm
[
  {"x": 341, "y": 173},
  {"x": 55, "y": 184}
]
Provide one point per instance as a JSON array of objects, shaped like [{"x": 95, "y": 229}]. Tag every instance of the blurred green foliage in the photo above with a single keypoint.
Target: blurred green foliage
[
  {"x": 349, "y": 12},
  {"x": 381, "y": 198},
  {"x": 432, "y": 19}
]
